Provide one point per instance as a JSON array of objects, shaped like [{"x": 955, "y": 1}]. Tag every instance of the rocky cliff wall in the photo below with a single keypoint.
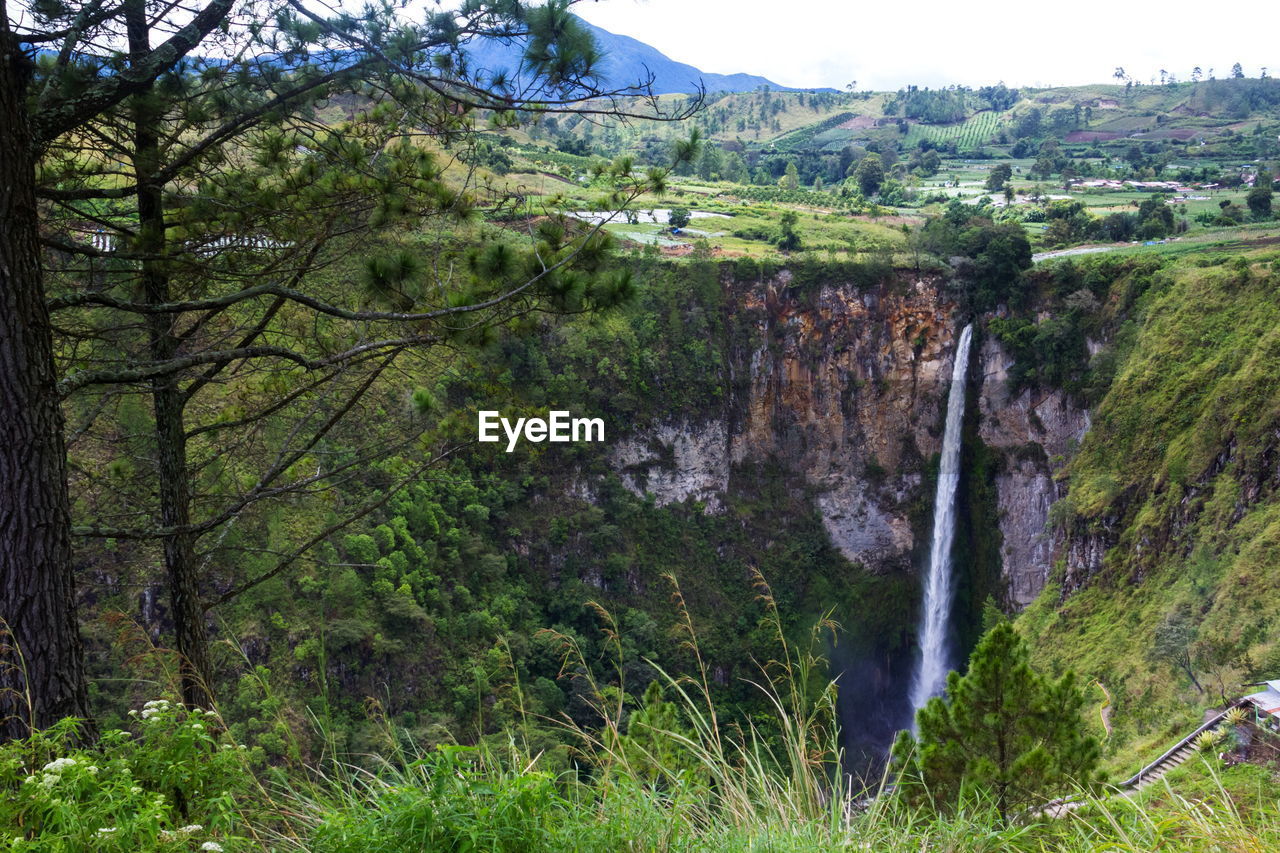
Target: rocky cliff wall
[
  {"x": 1035, "y": 433},
  {"x": 847, "y": 389},
  {"x": 844, "y": 386}
]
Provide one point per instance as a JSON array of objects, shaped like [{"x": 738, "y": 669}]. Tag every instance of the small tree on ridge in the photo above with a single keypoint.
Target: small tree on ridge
[{"x": 1003, "y": 733}]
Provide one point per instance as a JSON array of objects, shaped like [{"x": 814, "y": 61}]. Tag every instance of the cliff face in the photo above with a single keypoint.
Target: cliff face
[
  {"x": 1172, "y": 517},
  {"x": 845, "y": 386},
  {"x": 841, "y": 386},
  {"x": 847, "y": 391},
  {"x": 1035, "y": 434}
]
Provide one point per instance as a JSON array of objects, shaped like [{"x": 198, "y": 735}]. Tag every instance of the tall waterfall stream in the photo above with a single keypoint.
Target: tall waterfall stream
[{"x": 939, "y": 591}]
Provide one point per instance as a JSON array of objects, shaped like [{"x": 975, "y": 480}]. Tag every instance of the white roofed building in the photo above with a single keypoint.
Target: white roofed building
[{"x": 1266, "y": 703}]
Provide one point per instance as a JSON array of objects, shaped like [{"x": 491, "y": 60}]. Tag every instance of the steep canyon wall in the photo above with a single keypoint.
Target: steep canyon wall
[{"x": 843, "y": 385}]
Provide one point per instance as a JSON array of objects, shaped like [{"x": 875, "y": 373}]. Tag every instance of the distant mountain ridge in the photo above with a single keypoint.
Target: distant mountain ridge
[{"x": 628, "y": 61}]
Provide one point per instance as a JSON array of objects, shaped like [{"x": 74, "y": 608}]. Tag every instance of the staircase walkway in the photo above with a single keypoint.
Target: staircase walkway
[{"x": 1153, "y": 772}]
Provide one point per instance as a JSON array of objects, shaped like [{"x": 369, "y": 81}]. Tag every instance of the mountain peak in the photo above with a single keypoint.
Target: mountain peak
[{"x": 626, "y": 62}]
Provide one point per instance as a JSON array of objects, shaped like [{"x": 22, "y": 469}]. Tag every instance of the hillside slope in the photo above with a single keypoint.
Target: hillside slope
[{"x": 1166, "y": 585}]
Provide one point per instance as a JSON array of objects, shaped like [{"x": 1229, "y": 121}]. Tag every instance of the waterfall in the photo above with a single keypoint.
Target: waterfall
[{"x": 935, "y": 656}]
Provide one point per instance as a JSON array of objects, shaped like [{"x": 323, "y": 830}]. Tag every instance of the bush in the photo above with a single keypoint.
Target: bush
[{"x": 173, "y": 786}]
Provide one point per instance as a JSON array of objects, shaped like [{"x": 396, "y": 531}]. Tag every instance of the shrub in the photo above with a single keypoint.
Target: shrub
[{"x": 172, "y": 786}]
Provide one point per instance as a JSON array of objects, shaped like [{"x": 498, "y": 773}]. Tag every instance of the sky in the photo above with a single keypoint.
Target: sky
[{"x": 885, "y": 45}]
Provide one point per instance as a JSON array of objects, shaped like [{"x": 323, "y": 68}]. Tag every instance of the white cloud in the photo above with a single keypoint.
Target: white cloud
[{"x": 935, "y": 43}]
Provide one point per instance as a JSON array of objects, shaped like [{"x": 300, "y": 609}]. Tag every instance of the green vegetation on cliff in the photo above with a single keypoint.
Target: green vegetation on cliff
[
  {"x": 435, "y": 606},
  {"x": 1167, "y": 588}
]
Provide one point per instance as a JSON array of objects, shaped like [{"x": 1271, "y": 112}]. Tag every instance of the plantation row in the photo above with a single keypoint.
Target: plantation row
[
  {"x": 974, "y": 132},
  {"x": 803, "y": 137},
  {"x": 798, "y": 196}
]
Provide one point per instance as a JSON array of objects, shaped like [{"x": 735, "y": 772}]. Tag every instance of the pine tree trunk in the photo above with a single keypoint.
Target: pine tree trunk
[
  {"x": 191, "y": 635},
  {"x": 42, "y": 678}
]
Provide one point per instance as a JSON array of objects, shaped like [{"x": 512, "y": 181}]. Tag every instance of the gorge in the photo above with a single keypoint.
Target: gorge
[
  {"x": 469, "y": 429},
  {"x": 843, "y": 385},
  {"x": 788, "y": 420},
  {"x": 776, "y": 442}
]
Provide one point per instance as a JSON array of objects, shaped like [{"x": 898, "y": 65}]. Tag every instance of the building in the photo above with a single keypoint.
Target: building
[{"x": 1266, "y": 703}]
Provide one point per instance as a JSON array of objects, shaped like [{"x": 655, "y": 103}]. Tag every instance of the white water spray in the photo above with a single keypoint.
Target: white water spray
[{"x": 935, "y": 654}]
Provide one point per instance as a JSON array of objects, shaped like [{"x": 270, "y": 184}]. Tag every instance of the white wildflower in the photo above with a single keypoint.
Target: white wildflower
[
  {"x": 92, "y": 770},
  {"x": 197, "y": 727},
  {"x": 135, "y": 790},
  {"x": 60, "y": 764},
  {"x": 106, "y": 830},
  {"x": 154, "y": 707},
  {"x": 211, "y": 847},
  {"x": 190, "y": 828}
]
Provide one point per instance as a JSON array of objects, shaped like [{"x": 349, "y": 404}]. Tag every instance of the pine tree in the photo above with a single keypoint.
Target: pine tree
[
  {"x": 1003, "y": 734},
  {"x": 654, "y": 746},
  {"x": 791, "y": 179},
  {"x": 788, "y": 238},
  {"x": 168, "y": 188},
  {"x": 870, "y": 174}
]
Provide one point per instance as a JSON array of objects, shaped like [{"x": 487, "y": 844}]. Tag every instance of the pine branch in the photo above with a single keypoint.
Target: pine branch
[
  {"x": 56, "y": 117},
  {"x": 144, "y": 372}
]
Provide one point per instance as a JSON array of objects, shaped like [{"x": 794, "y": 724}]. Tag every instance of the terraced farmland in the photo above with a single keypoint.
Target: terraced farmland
[{"x": 974, "y": 132}]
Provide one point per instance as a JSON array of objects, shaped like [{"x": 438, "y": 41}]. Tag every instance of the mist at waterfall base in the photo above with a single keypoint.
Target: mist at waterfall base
[
  {"x": 872, "y": 703},
  {"x": 881, "y": 690}
]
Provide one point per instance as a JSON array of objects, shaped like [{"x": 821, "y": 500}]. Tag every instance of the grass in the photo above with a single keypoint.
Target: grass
[
  {"x": 752, "y": 226},
  {"x": 677, "y": 776},
  {"x": 658, "y": 774},
  {"x": 484, "y": 805}
]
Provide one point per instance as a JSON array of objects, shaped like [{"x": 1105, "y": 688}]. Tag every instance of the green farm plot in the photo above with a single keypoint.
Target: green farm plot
[
  {"x": 974, "y": 132},
  {"x": 1201, "y": 201},
  {"x": 1125, "y": 124},
  {"x": 836, "y": 138},
  {"x": 752, "y": 228},
  {"x": 1225, "y": 241},
  {"x": 655, "y": 234}
]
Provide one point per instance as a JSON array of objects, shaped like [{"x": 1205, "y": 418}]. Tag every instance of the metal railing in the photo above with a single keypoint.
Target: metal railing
[{"x": 1211, "y": 723}]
